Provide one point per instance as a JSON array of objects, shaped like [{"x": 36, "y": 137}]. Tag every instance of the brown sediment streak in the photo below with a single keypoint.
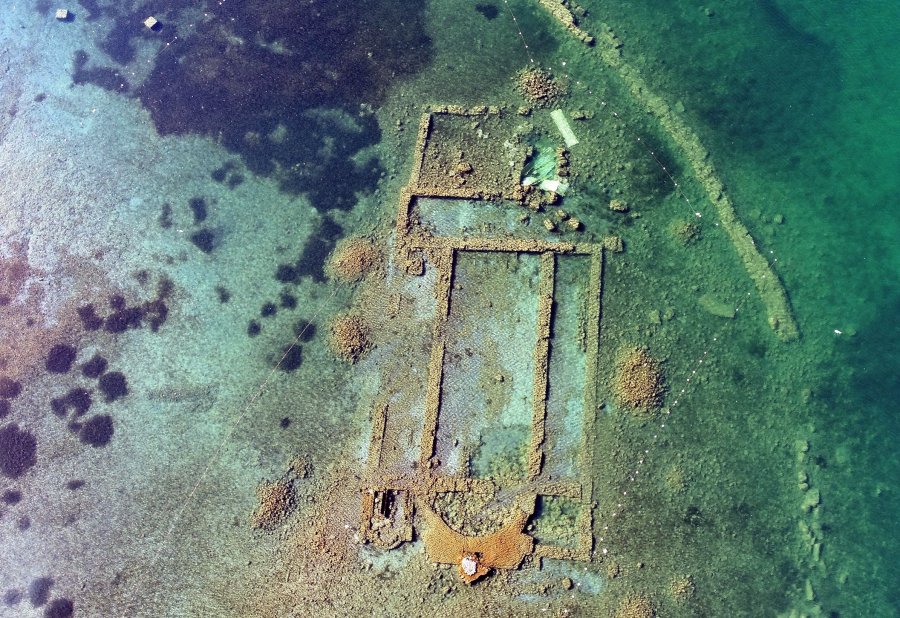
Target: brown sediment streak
[
  {"x": 493, "y": 245},
  {"x": 376, "y": 444},
  {"x": 541, "y": 355},
  {"x": 444, "y": 263},
  {"x": 768, "y": 285}
]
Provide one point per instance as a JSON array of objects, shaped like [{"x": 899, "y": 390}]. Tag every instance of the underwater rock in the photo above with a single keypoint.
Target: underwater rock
[
  {"x": 715, "y": 307},
  {"x": 353, "y": 259}
]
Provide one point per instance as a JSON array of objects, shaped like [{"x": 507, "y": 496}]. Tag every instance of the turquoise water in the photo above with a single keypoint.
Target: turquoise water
[
  {"x": 806, "y": 122},
  {"x": 168, "y": 202}
]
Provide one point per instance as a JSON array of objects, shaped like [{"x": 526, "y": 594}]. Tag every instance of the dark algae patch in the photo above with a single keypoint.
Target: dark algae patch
[
  {"x": 60, "y": 358},
  {"x": 39, "y": 591},
  {"x": 264, "y": 98},
  {"x": 97, "y": 431},
  {"x": 11, "y": 496},
  {"x": 291, "y": 359},
  {"x": 89, "y": 318},
  {"x": 12, "y": 597},
  {"x": 95, "y": 367},
  {"x": 311, "y": 262},
  {"x": 77, "y": 400},
  {"x": 204, "y": 239},
  {"x": 198, "y": 208},
  {"x": 9, "y": 388},
  {"x": 18, "y": 451},
  {"x": 60, "y": 608},
  {"x": 113, "y": 385}
]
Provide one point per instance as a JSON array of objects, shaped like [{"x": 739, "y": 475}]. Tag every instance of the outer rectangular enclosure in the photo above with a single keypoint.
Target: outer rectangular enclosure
[{"x": 509, "y": 394}]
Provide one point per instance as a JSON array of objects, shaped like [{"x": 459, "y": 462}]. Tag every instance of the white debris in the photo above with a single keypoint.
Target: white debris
[
  {"x": 564, "y": 127},
  {"x": 554, "y": 186},
  {"x": 469, "y": 565}
]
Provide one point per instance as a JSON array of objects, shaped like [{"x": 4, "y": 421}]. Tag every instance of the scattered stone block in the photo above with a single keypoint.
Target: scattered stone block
[
  {"x": 714, "y": 306},
  {"x": 62, "y": 14},
  {"x": 152, "y": 23}
]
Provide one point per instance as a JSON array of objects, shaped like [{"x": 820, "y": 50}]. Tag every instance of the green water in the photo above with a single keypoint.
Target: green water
[{"x": 798, "y": 102}]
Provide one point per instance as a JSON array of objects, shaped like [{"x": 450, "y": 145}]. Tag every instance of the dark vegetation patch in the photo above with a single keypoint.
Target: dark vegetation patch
[
  {"x": 263, "y": 99},
  {"x": 198, "y": 208},
  {"x": 253, "y": 328},
  {"x": 291, "y": 359},
  {"x": 288, "y": 300},
  {"x": 78, "y": 400},
  {"x": 113, "y": 385},
  {"x": 104, "y": 77},
  {"x": 24, "y": 523},
  {"x": 118, "y": 302},
  {"x": 204, "y": 239},
  {"x": 235, "y": 180},
  {"x": 223, "y": 294},
  {"x": 74, "y": 484},
  {"x": 12, "y": 597},
  {"x": 17, "y": 451},
  {"x": 268, "y": 310},
  {"x": 60, "y": 608},
  {"x": 5, "y": 300},
  {"x": 94, "y": 11},
  {"x": 284, "y": 423},
  {"x": 40, "y": 97},
  {"x": 304, "y": 330},
  {"x": 11, "y": 496},
  {"x": 490, "y": 11},
  {"x": 39, "y": 591},
  {"x": 228, "y": 174},
  {"x": 97, "y": 431},
  {"x": 60, "y": 358},
  {"x": 311, "y": 262},
  {"x": 124, "y": 317},
  {"x": 165, "y": 216},
  {"x": 95, "y": 367},
  {"x": 89, "y": 318},
  {"x": 4, "y": 408},
  {"x": 781, "y": 91},
  {"x": 9, "y": 388}
]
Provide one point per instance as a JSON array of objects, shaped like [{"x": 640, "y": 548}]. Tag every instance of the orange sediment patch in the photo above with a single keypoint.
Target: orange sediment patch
[
  {"x": 276, "y": 501},
  {"x": 639, "y": 381},
  {"x": 353, "y": 259},
  {"x": 350, "y": 337},
  {"x": 476, "y": 555}
]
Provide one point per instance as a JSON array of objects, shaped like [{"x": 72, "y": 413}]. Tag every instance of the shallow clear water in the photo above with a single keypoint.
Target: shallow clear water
[{"x": 169, "y": 200}]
